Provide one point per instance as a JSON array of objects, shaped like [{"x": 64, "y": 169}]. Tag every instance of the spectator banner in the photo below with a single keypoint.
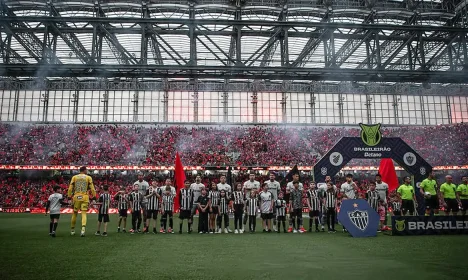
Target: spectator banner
[
  {"x": 427, "y": 225},
  {"x": 358, "y": 218},
  {"x": 371, "y": 145}
]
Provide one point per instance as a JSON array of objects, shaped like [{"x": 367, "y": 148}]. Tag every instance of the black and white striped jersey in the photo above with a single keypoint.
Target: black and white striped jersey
[
  {"x": 313, "y": 197},
  {"x": 252, "y": 206},
  {"x": 214, "y": 196},
  {"x": 280, "y": 205},
  {"x": 153, "y": 201},
  {"x": 136, "y": 198},
  {"x": 168, "y": 203},
  {"x": 238, "y": 197},
  {"x": 121, "y": 201},
  {"x": 223, "y": 205},
  {"x": 396, "y": 205},
  {"x": 105, "y": 200},
  {"x": 373, "y": 198},
  {"x": 330, "y": 198},
  {"x": 186, "y": 199}
]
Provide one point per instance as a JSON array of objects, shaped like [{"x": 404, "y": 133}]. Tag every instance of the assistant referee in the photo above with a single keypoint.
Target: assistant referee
[{"x": 406, "y": 193}]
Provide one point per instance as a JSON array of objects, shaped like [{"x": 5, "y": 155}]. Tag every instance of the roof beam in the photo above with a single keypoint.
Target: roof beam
[
  {"x": 232, "y": 72},
  {"x": 438, "y": 47},
  {"x": 388, "y": 46},
  {"x": 270, "y": 51},
  {"x": 351, "y": 45},
  {"x": 69, "y": 38},
  {"x": 202, "y": 22},
  {"x": 313, "y": 43},
  {"x": 122, "y": 55},
  {"x": 33, "y": 45},
  {"x": 9, "y": 55},
  {"x": 153, "y": 42}
]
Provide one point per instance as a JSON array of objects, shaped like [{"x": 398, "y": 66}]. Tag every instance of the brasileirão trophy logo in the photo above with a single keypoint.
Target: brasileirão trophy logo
[{"x": 370, "y": 134}]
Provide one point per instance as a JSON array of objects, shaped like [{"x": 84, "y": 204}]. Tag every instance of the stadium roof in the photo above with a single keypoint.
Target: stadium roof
[{"x": 237, "y": 40}]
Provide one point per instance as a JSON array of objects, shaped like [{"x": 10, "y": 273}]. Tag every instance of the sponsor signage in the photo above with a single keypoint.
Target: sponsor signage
[
  {"x": 371, "y": 145},
  {"x": 427, "y": 225}
]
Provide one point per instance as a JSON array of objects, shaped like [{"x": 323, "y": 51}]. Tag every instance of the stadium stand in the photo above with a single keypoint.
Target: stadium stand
[{"x": 208, "y": 146}]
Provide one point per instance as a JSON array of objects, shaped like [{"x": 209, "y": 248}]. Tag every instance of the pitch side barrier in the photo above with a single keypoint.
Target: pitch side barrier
[{"x": 429, "y": 225}]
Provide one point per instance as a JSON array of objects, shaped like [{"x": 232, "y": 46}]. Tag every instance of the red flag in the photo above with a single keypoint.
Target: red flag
[
  {"x": 179, "y": 178},
  {"x": 387, "y": 170}
]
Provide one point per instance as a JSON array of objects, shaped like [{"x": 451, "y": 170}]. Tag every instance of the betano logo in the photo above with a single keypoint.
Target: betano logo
[{"x": 370, "y": 134}]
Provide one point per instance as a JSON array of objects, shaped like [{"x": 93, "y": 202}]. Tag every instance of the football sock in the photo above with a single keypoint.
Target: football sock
[
  {"x": 84, "y": 218},
  {"x": 55, "y": 227},
  {"x": 180, "y": 227},
  {"x": 73, "y": 220},
  {"x": 51, "y": 225}
]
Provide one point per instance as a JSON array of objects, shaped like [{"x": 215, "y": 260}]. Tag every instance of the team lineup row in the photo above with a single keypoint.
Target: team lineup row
[{"x": 215, "y": 203}]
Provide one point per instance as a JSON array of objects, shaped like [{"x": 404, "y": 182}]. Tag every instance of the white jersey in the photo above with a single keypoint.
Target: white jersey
[
  {"x": 249, "y": 186},
  {"x": 266, "y": 199},
  {"x": 163, "y": 190},
  {"x": 382, "y": 189},
  {"x": 227, "y": 188},
  {"x": 290, "y": 186},
  {"x": 142, "y": 188},
  {"x": 273, "y": 187},
  {"x": 55, "y": 204},
  {"x": 348, "y": 190},
  {"x": 196, "y": 188}
]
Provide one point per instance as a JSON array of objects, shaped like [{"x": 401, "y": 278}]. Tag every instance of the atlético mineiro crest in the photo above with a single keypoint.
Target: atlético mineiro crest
[{"x": 359, "y": 218}]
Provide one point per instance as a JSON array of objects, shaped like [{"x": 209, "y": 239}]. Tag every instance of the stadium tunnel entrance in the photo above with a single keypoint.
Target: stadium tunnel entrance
[{"x": 348, "y": 148}]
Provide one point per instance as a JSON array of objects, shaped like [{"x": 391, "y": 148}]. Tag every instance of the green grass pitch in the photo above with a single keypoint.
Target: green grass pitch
[{"x": 27, "y": 252}]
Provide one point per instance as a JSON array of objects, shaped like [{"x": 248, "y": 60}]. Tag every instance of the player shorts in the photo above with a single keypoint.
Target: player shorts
[
  {"x": 452, "y": 205},
  {"x": 266, "y": 216},
  {"x": 432, "y": 202},
  {"x": 185, "y": 214},
  {"x": 314, "y": 213},
  {"x": 167, "y": 213},
  {"x": 123, "y": 213},
  {"x": 54, "y": 216},
  {"x": 214, "y": 210},
  {"x": 397, "y": 213},
  {"x": 296, "y": 212},
  {"x": 152, "y": 214},
  {"x": 281, "y": 218},
  {"x": 407, "y": 205},
  {"x": 464, "y": 204},
  {"x": 80, "y": 205},
  {"x": 103, "y": 218}
]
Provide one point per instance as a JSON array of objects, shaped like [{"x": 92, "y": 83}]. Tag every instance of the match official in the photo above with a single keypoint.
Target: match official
[{"x": 408, "y": 197}]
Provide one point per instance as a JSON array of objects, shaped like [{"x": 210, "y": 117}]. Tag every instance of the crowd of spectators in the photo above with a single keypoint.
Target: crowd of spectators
[{"x": 208, "y": 146}]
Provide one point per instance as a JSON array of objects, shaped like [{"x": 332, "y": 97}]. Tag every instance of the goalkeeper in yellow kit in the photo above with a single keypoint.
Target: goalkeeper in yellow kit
[{"x": 78, "y": 191}]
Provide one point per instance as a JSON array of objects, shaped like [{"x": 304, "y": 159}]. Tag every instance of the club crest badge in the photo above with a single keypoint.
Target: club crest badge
[
  {"x": 359, "y": 218},
  {"x": 370, "y": 134},
  {"x": 336, "y": 159},
  {"x": 323, "y": 170},
  {"x": 409, "y": 159}
]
